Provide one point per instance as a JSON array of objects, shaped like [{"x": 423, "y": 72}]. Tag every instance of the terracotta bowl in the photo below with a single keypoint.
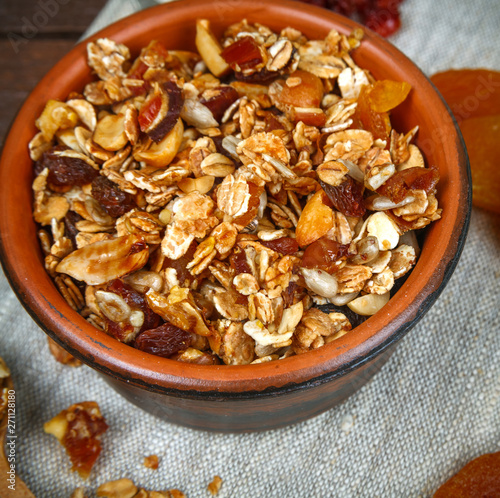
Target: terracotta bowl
[{"x": 254, "y": 397}]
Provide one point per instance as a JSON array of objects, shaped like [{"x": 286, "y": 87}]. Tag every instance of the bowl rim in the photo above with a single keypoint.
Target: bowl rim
[{"x": 162, "y": 375}]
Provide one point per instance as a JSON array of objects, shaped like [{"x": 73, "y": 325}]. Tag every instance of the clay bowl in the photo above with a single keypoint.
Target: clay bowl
[{"x": 254, "y": 397}]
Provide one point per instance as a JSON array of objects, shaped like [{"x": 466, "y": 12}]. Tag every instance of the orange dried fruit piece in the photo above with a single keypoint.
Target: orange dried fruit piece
[
  {"x": 378, "y": 123},
  {"x": 387, "y": 94},
  {"x": 482, "y": 138},
  {"x": 79, "y": 429},
  {"x": 480, "y": 477},
  {"x": 316, "y": 219},
  {"x": 470, "y": 93},
  {"x": 474, "y": 98},
  {"x": 302, "y": 89}
]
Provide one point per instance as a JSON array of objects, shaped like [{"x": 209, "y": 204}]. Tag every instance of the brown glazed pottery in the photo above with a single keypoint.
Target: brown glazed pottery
[{"x": 253, "y": 397}]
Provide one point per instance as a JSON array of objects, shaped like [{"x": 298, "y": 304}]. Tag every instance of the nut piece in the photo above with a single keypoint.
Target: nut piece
[
  {"x": 106, "y": 260},
  {"x": 161, "y": 154},
  {"x": 110, "y": 132},
  {"x": 381, "y": 226},
  {"x": 210, "y": 49},
  {"x": 369, "y": 304},
  {"x": 121, "y": 488},
  {"x": 61, "y": 355},
  {"x": 151, "y": 462}
]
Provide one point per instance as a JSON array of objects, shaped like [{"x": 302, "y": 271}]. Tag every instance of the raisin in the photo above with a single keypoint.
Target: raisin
[
  {"x": 323, "y": 254},
  {"x": 114, "y": 201},
  {"x": 262, "y": 77},
  {"x": 165, "y": 340},
  {"x": 137, "y": 302},
  {"x": 283, "y": 245},
  {"x": 238, "y": 261},
  {"x": 179, "y": 265},
  {"x": 65, "y": 171},
  {"x": 292, "y": 294},
  {"x": 346, "y": 197},
  {"x": 70, "y": 221}
]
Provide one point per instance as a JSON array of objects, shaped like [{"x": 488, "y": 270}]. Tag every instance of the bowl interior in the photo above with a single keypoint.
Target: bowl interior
[{"x": 174, "y": 24}]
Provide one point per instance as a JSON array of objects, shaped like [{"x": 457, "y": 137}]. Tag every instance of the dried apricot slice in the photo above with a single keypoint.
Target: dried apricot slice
[
  {"x": 316, "y": 219},
  {"x": 480, "y": 477},
  {"x": 474, "y": 98},
  {"x": 387, "y": 94},
  {"x": 79, "y": 429},
  {"x": 365, "y": 117}
]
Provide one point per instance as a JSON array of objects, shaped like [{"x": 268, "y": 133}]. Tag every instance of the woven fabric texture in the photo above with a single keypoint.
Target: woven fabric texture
[{"x": 433, "y": 407}]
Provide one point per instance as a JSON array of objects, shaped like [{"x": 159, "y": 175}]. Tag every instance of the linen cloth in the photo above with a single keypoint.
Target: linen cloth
[{"x": 432, "y": 408}]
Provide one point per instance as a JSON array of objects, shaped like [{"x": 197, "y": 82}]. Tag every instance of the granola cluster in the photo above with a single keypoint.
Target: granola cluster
[{"x": 200, "y": 206}]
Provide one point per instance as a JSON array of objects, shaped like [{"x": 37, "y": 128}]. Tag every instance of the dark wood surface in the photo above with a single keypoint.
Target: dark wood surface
[{"x": 34, "y": 35}]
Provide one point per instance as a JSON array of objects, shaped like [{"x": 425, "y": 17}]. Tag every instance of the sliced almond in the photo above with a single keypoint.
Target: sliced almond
[
  {"x": 369, "y": 304},
  {"x": 210, "y": 49}
]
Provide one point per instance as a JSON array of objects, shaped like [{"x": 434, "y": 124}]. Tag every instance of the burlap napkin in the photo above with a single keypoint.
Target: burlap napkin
[{"x": 433, "y": 407}]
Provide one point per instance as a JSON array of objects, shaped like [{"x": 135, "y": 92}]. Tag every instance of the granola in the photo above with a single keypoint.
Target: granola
[{"x": 203, "y": 207}]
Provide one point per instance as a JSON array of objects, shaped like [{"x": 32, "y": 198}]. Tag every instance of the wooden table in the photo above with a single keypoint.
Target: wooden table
[{"x": 34, "y": 35}]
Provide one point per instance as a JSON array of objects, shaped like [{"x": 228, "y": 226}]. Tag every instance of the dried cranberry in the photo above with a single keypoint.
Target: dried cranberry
[
  {"x": 380, "y": 15},
  {"x": 113, "y": 200},
  {"x": 65, "y": 171},
  {"x": 165, "y": 340},
  {"x": 137, "y": 302},
  {"x": 323, "y": 253},
  {"x": 346, "y": 197},
  {"x": 283, "y": 245}
]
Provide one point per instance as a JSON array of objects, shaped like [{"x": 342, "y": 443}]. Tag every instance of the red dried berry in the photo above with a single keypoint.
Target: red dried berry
[
  {"x": 165, "y": 340},
  {"x": 346, "y": 197},
  {"x": 113, "y": 200}
]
